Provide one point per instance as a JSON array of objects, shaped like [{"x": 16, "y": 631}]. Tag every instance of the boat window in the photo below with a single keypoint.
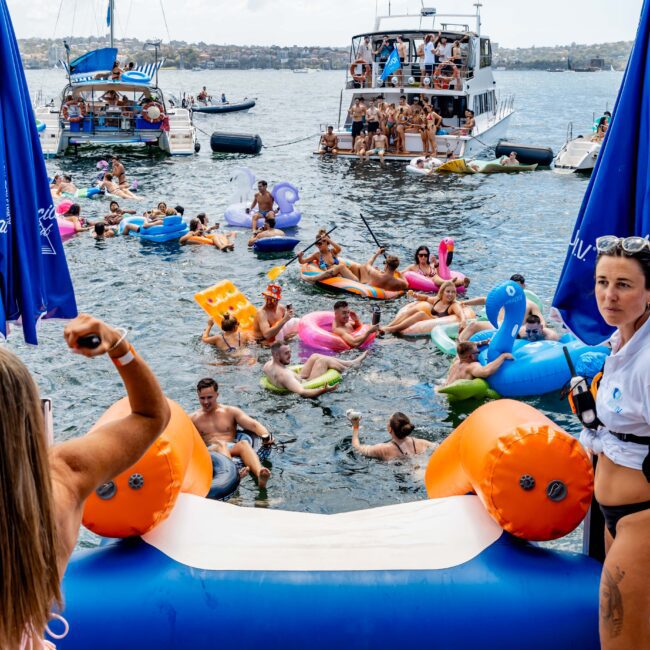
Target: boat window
[
  {"x": 481, "y": 103},
  {"x": 486, "y": 53}
]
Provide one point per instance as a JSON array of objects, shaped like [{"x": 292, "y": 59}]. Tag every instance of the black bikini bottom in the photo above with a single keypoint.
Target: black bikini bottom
[{"x": 613, "y": 513}]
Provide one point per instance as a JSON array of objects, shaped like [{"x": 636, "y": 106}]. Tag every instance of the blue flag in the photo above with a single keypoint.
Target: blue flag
[
  {"x": 617, "y": 200},
  {"x": 392, "y": 64},
  {"x": 34, "y": 277},
  {"x": 108, "y": 14}
]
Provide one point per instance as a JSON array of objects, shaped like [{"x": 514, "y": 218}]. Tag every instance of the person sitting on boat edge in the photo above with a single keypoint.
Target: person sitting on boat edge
[
  {"x": 279, "y": 374},
  {"x": 265, "y": 202},
  {"x": 267, "y": 230},
  {"x": 467, "y": 366},
  {"x": 273, "y": 320},
  {"x": 444, "y": 303},
  {"x": 346, "y": 322},
  {"x": 44, "y": 488},
  {"x": 468, "y": 126},
  {"x": 510, "y": 160},
  {"x": 217, "y": 425},
  {"x": 232, "y": 339},
  {"x": 401, "y": 443},
  {"x": 379, "y": 145},
  {"x": 329, "y": 141}
]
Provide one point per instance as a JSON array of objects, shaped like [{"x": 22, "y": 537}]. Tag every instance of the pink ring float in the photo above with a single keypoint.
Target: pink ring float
[
  {"x": 315, "y": 330},
  {"x": 66, "y": 228},
  {"x": 419, "y": 282}
]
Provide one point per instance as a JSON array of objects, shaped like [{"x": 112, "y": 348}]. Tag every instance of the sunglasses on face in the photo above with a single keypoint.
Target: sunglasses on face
[{"x": 423, "y": 255}]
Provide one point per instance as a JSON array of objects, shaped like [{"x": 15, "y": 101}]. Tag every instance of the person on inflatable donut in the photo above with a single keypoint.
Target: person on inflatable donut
[
  {"x": 467, "y": 366},
  {"x": 267, "y": 230},
  {"x": 278, "y": 372},
  {"x": 116, "y": 214},
  {"x": 265, "y": 202},
  {"x": 622, "y": 441},
  {"x": 401, "y": 444},
  {"x": 73, "y": 215},
  {"x": 444, "y": 303},
  {"x": 532, "y": 309},
  {"x": 217, "y": 424},
  {"x": 425, "y": 263},
  {"x": 346, "y": 322},
  {"x": 274, "y": 321},
  {"x": 44, "y": 488}
]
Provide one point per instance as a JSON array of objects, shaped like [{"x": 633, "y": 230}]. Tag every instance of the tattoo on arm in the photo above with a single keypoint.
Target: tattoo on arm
[{"x": 611, "y": 601}]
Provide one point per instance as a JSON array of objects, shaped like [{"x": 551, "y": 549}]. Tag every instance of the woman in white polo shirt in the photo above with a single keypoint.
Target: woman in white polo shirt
[{"x": 623, "y": 442}]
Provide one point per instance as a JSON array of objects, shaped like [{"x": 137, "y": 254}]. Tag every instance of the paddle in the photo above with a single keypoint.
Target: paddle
[
  {"x": 372, "y": 234},
  {"x": 276, "y": 271}
]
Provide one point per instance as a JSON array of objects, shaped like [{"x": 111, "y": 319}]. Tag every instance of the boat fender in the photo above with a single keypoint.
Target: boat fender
[
  {"x": 225, "y": 477},
  {"x": 518, "y": 462},
  {"x": 235, "y": 143}
]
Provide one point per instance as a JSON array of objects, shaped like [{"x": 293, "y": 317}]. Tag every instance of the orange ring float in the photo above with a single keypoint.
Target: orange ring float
[
  {"x": 81, "y": 107},
  {"x": 366, "y": 70},
  {"x": 145, "y": 115}
]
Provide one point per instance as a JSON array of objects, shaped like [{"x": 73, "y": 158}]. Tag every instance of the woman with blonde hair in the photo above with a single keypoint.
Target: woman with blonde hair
[
  {"x": 444, "y": 303},
  {"x": 43, "y": 490}
]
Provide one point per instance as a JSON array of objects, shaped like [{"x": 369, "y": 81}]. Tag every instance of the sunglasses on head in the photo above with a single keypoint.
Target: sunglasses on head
[{"x": 609, "y": 243}]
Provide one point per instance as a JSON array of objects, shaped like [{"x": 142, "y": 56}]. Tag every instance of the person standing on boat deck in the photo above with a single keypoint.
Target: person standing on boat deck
[
  {"x": 382, "y": 53},
  {"x": 346, "y": 322},
  {"x": 279, "y": 374},
  {"x": 119, "y": 173},
  {"x": 401, "y": 443},
  {"x": 365, "y": 54},
  {"x": 372, "y": 122},
  {"x": 223, "y": 98},
  {"x": 622, "y": 441},
  {"x": 44, "y": 488},
  {"x": 217, "y": 424},
  {"x": 264, "y": 201},
  {"x": 274, "y": 321},
  {"x": 329, "y": 141},
  {"x": 402, "y": 50},
  {"x": 358, "y": 113},
  {"x": 116, "y": 71},
  {"x": 429, "y": 56},
  {"x": 402, "y": 119}
]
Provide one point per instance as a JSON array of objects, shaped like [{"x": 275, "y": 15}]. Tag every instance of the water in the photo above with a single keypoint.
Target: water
[{"x": 502, "y": 224}]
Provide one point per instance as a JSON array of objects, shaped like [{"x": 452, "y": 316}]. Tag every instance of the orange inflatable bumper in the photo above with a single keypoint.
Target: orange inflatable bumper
[
  {"x": 141, "y": 497},
  {"x": 534, "y": 479}
]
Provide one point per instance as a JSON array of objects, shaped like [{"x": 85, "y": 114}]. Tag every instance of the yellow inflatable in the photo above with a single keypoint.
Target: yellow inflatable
[
  {"x": 140, "y": 498},
  {"x": 224, "y": 297},
  {"x": 534, "y": 479}
]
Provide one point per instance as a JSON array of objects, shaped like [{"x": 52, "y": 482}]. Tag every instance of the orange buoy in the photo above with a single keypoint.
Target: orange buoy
[
  {"x": 534, "y": 479},
  {"x": 137, "y": 500}
]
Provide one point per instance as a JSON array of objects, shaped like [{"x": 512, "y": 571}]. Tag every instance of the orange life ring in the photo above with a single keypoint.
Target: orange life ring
[
  {"x": 366, "y": 70},
  {"x": 81, "y": 107},
  {"x": 145, "y": 115}
]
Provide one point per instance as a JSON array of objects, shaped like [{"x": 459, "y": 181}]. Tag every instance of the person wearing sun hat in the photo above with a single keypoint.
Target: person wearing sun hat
[{"x": 274, "y": 322}]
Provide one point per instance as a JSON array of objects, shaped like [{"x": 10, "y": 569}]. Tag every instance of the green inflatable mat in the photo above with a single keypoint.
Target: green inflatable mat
[
  {"x": 463, "y": 389},
  {"x": 330, "y": 378}
]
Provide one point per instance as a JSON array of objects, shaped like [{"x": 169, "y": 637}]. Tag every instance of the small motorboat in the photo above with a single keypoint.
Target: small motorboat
[
  {"x": 222, "y": 107},
  {"x": 577, "y": 156}
]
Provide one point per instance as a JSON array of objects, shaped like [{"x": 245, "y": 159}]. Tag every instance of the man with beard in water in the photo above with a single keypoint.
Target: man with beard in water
[{"x": 217, "y": 424}]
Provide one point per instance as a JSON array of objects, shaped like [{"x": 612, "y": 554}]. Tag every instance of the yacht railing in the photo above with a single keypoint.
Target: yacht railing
[{"x": 411, "y": 74}]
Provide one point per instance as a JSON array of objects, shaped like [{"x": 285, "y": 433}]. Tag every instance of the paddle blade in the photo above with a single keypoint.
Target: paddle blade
[{"x": 276, "y": 272}]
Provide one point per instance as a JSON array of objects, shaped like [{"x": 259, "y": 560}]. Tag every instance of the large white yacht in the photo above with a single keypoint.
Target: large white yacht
[
  {"x": 95, "y": 109},
  {"x": 451, "y": 88}
]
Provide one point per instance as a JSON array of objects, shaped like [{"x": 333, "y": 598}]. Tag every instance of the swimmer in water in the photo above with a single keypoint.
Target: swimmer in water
[
  {"x": 401, "y": 444},
  {"x": 467, "y": 366},
  {"x": 232, "y": 339},
  {"x": 217, "y": 424}
]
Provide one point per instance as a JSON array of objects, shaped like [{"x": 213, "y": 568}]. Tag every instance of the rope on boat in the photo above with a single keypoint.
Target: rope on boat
[{"x": 284, "y": 144}]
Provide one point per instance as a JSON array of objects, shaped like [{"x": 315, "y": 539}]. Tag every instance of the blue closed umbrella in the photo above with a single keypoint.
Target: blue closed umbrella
[
  {"x": 34, "y": 277},
  {"x": 617, "y": 201}
]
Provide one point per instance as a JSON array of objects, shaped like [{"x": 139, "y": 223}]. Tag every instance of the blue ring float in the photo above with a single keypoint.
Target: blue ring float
[
  {"x": 173, "y": 227},
  {"x": 135, "y": 77}
]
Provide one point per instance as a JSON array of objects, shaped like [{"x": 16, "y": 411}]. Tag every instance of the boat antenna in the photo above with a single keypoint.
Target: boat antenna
[
  {"x": 478, "y": 6},
  {"x": 156, "y": 47}
]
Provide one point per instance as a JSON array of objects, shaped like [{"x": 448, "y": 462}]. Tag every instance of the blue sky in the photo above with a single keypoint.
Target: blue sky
[{"x": 512, "y": 23}]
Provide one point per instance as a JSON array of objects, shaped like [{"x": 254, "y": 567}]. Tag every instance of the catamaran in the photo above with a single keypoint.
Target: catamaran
[
  {"x": 452, "y": 86},
  {"x": 100, "y": 106}
]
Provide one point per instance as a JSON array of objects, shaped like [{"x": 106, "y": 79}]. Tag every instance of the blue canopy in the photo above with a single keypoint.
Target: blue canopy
[
  {"x": 34, "y": 277},
  {"x": 94, "y": 61},
  {"x": 617, "y": 201}
]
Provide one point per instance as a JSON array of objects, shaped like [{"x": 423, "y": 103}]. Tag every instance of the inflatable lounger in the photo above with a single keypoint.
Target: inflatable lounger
[{"x": 462, "y": 166}]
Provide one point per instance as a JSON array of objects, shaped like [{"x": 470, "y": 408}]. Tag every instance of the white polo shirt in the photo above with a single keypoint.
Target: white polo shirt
[{"x": 623, "y": 400}]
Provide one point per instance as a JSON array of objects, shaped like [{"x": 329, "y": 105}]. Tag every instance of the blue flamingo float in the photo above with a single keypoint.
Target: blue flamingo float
[{"x": 538, "y": 367}]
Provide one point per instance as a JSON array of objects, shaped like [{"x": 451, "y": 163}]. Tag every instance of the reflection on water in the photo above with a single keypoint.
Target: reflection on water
[{"x": 502, "y": 224}]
